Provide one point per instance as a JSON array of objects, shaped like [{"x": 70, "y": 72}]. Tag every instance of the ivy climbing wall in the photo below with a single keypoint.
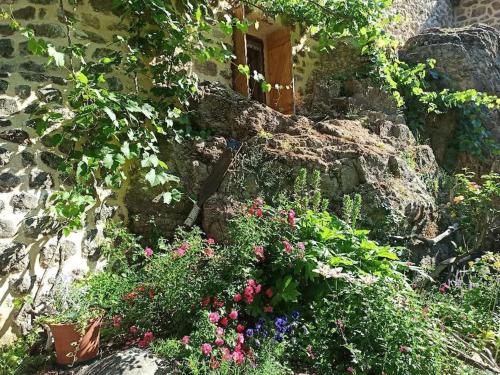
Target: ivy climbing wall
[{"x": 28, "y": 169}]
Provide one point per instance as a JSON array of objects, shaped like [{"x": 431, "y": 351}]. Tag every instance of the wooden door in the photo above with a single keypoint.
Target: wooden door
[
  {"x": 279, "y": 71},
  {"x": 240, "y": 82}
]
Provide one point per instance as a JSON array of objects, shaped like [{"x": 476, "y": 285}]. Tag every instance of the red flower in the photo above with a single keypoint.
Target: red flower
[
  {"x": 249, "y": 299},
  {"x": 350, "y": 369},
  {"x": 130, "y": 296},
  {"x": 237, "y": 297},
  {"x": 205, "y": 301},
  {"x": 259, "y": 212},
  {"x": 258, "y": 288},
  {"x": 151, "y": 293},
  {"x": 269, "y": 292},
  {"x": 133, "y": 330},
  {"x": 218, "y": 303},
  {"x": 240, "y": 328},
  {"x": 223, "y": 322},
  {"x": 268, "y": 309}
]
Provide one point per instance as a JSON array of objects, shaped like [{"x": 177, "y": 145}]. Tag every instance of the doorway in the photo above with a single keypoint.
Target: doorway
[{"x": 267, "y": 50}]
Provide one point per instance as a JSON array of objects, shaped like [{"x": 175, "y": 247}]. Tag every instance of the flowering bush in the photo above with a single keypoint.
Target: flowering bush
[{"x": 297, "y": 287}]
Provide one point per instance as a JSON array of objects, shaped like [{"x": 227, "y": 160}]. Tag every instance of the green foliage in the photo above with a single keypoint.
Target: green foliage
[
  {"x": 351, "y": 209},
  {"x": 476, "y": 208},
  {"x": 16, "y": 359}
]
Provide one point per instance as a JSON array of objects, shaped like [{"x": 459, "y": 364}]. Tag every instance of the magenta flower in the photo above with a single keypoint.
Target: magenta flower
[
  {"x": 185, "y": 340},
  {"x": 233, "y": 314},
  {"x": 238, "y": 357},
  {"x": 288, "y": 247},
  {"x": 291, "y": 218},
  {"x": 182, "y": 249},
  {"x": 350, "y": 370},
  {"x": 214, "y": 317},
  {"x": 206, "y": 349},
  {"x": 148, "y": 252},
  {"x": 237, "y": 297},
  {"x": 218, "y": 341}
]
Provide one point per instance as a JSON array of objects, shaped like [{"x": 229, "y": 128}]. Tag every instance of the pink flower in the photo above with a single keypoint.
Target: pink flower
[
  {"x": 258, "y": 202},
  {"x": 249, "y": 299},
  {"x": 133, "y": 330},
  {"x": 117, "y": 321},
  {"x": 218, "y": 341},
  {"x": 233, "y": 314},
  {"x": 182, "y": 249},
  {"x": 219, "y": 331},
  {"x": 240, "y": 328},
  {"x": 226, "y": 354},
  {"x": 238, "y": 357},
  {"x": 208, "y": 252},
  {"x": 301, "y": 246},
  {"x": 258, "y": 288},
  {"x": 224, "y": 322},
  {"x": 248, "y": 291},
  {"x": 211, "y": 241},
  {"x": 206, "y": 349},
  {"x": 241, "y": 338},
  {"x": 291, "y": 218},
  {"x": 215, "y": 364},
  {"x": 259, "y": 252},
  {"x": 404, "y": 349},
  {"x": 269, "y": 292},
  {"x": 350, "y": 369},
  {"x": 288, "y": 247},
  {"x": 259, "y": 212},
  {"x": 148, "y": 252},
  {"x": 214, "y": 317},
  {"x": 205, "y": 301},
  {"x": 237, "y": 297},
  {"x": 268, "y": 309},
  {"x": 185, "y": 340},
  {"x": 251, "y": 282}
]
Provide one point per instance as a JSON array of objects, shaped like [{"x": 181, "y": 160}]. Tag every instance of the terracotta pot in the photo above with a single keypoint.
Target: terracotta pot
[{"x": 72, "y": 346}]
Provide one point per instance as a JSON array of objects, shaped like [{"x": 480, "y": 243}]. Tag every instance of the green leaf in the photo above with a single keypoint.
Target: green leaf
[
  {"x": 265, "y": 87},
  {"x": 245, "y": 70},
  {"x": 108, "y": 161},
  {"x": 82, "y": 78},
  {"x": 385, "y": 252},
  {"x": 110, "y": 114},
  {"x": 151, "y": 177}
]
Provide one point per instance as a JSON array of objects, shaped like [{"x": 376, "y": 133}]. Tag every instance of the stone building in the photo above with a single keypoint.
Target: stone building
[{"x": 28, "y": 252}]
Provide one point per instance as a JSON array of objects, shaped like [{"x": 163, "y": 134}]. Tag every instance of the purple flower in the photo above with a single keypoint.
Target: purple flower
[
  {"x": 148, "y": 252},
  {"x": 249, "y": 332},
  {"x": 295, "y": 315}
]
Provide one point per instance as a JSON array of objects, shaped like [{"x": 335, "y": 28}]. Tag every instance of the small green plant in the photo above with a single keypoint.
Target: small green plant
[
  {"x": 476, "y": 208},
  {"x": 351, "y": 209}
]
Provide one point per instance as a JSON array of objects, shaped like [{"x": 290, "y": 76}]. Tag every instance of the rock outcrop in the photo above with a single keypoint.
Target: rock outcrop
[
  {"x": 467, "y": 58},
  {"x": 377, "y": 158}
]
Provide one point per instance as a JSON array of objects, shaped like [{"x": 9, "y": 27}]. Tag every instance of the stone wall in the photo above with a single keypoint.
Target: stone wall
[
  {"x": 468, "y": 12},
  {"x": 27, "y": 168},
  {"x": 418, "y": 15}
]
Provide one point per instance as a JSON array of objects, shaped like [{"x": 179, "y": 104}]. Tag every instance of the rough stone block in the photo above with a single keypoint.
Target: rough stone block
[
  {"x": 8, "y": 181},
  {"x": 6, "y": 48},
  {"x": 24, "y": 202},
  {"x": 16, "y": 136},
  {"x": 7, "y": 229},
  {"x": 26, "y": 13},
  {"x": 23, "y": 91},
  {"x": 48, "y": 30},
  {"x": 4, "y": 85},
  {"x": 39, "y": 179},
  {"x": 13, "y": 257},
  {"x": 51, "y": 159},
  {"x": 4, "y": 156}
]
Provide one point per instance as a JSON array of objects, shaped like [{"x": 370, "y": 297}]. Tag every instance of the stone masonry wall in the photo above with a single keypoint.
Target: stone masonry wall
[
  {"x": 27, "y": 168},
  {"x": 468, "y": 12}
]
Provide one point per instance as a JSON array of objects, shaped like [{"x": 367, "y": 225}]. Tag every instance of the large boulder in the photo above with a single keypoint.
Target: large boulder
[
  {"x": 377, "y": 158},
  {"x": 468, "y": 58}
]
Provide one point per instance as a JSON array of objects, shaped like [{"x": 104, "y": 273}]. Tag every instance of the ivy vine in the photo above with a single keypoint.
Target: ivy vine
[{"x": 111, "y": 133}]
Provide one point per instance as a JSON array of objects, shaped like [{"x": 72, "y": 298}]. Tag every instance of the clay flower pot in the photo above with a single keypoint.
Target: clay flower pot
[{"x": 73, "y": 346}]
